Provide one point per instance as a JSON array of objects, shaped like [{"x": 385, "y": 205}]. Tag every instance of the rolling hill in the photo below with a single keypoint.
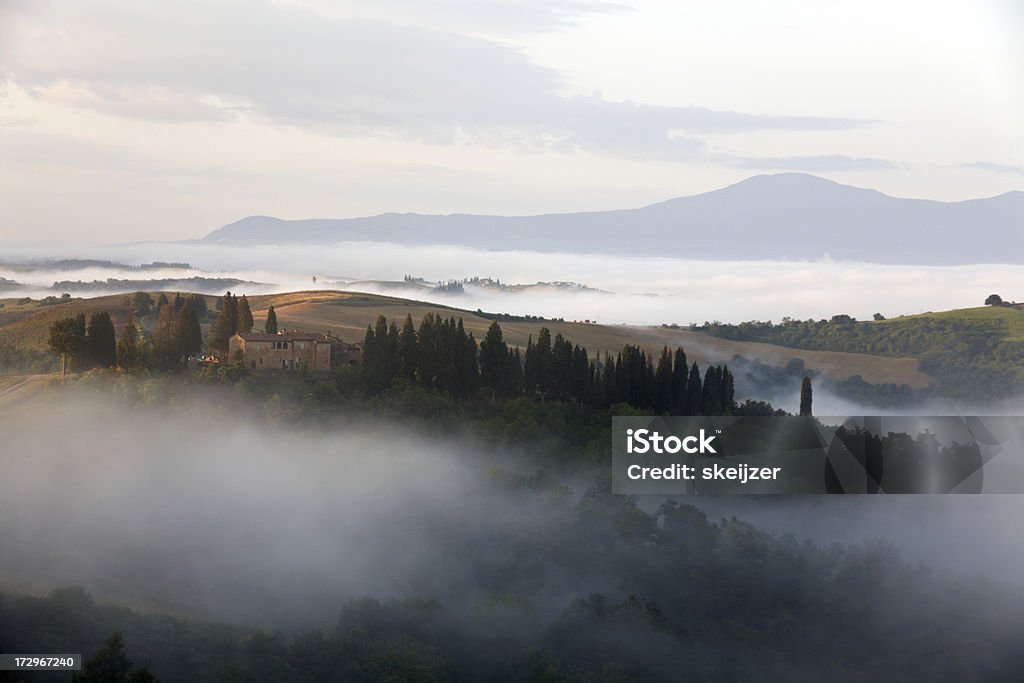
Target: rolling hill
[
  {"x": 785, "y": 216},
  {"x": 23, "y": 329}
]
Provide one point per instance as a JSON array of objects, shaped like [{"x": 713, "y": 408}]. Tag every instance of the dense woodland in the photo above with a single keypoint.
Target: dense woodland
[{"x": 684, "y": 598}]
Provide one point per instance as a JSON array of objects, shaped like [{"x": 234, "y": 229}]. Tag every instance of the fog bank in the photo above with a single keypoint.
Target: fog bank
[{"x": 633, "y": 290}]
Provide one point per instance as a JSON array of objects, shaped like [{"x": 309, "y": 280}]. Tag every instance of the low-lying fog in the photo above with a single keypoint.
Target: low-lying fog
[
  {"x": 216, "y": 515},
  {"x": 633, "y": 290}
]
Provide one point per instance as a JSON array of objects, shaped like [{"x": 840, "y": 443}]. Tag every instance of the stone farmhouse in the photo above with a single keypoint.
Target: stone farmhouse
[{"x": 291, "y": 350}]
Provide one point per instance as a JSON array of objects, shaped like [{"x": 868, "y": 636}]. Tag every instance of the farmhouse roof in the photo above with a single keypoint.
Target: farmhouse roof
[{"x": 294, "y": 335}]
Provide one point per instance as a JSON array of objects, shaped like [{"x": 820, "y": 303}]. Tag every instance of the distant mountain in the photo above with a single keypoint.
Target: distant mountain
[{"x": 784, "y": 216}]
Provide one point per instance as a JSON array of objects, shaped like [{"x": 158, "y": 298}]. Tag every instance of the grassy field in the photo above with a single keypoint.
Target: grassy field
[
  {"x": 29, "y": 323},
  {"x": 347, "y": 315},
  {"x": 1011, "y": 317}
]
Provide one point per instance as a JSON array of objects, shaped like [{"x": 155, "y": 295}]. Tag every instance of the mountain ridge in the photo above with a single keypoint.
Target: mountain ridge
[{"x": 788, "y": 216}]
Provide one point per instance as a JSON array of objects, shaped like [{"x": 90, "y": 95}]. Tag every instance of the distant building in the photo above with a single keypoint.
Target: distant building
[{"x": 292, "y": 350}]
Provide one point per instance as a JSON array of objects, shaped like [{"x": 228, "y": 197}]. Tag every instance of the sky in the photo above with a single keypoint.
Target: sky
[{"x": 123, "y": 120}]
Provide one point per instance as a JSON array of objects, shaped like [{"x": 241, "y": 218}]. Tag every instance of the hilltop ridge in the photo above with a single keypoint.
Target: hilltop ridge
[{"x": 787, "y": 216}]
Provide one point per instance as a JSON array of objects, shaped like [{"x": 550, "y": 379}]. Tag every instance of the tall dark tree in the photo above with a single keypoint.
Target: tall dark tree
[
  {"x": 711, "y": 393},
  {"x": 189, "y": 331},
  {"x": 226, "y": 324},
  {"x": 538, "y": 362},
  {"x": 680, "y": 370},
  {"x": 427, "y": 335},
  {"x": 609, "y": 374},
  {"x": 244, "y": 316},
  {"x": 380, "y": 355},
  {"x": 515, "y": 371},
  {"x": 408, "y": 350},
  {"x": 101, "y": 341},
  {"x": 270, "y": 326},
  {"x": 67, "y": 339},
  {"x": 663, "y": 383},
  {"x": 694, "y": 392},
  {"x": 494, "y": 360},
  {"x": 806, "y": 397}
]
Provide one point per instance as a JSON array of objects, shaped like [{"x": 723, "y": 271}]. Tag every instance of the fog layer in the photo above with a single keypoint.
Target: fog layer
[
  {"x": 633, "y": 290},
  {"x": 215, "y": 515}
]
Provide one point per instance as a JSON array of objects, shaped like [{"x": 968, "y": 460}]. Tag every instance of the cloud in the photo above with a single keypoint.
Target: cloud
[
  {"x": 998, "y": 168},
  {"x": 819, "y": 164},
  {"x": 289, "y": 65},
  {"x": 493, "y": 17}
]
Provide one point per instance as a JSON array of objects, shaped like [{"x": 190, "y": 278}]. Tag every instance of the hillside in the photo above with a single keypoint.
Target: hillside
[
  {"x": 973, "y": 353},
  {"x": 23, "y": 330},
  {"x": 784, "y": 216}
]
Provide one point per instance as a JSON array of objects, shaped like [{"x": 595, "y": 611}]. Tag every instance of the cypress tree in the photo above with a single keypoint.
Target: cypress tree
[
  {"x": 101, "y": 341},
  {"x": 728, "y": 391},
  {"x": 469, "y": 367},
  {"x": 515, "y": 372},
  {"x": 530, "y": 367},
  {"x": 408, "y": 350},
  {"x": 270, "y": 326},
  {"x": 582, "y": 380},
  {"x": 680, "y": 368},
  {"x": 542, "y": 360},
  {"x": 493, "y": 360},
  {"x": 226, "y": 324},
  {"x": 427, "y": 335},
  {"x": 694, "y": 391},
  {"x": 806, "y": 396},
  {"x": 608, "y": 375},
  {"x": 244, "y": 316},
  {"x": 663, "y": 383},
  {"x": 190, "y": 333},
  {"x": 711, "y": 394}
]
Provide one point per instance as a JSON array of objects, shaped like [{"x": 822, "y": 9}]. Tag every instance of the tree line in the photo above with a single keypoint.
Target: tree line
[
  {"x": 442, "y": 355},
  {"x": 176, "y": 333}
]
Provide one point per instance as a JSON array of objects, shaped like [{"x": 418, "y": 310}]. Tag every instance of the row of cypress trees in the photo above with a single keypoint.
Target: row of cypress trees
[
  {"x": 442, "y": 355},
  {"x": 234, "y": 316}
]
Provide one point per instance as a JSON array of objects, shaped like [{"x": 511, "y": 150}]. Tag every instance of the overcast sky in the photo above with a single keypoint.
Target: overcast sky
[{"x": 124, "y": 120}]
